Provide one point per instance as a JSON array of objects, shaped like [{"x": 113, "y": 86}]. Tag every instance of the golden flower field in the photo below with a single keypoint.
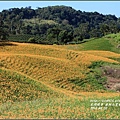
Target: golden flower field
[{"x": 37, "y": 81}]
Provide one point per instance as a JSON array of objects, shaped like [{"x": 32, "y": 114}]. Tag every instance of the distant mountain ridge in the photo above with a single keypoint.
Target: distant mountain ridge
[
  {"x": 57, "y": 13},
  {"x": 67, "y": 21}
]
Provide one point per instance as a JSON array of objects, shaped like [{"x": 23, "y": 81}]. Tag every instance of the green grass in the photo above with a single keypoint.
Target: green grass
[
  {"x": 93, "y": 44},
  {"x": 62, "y": 108},
  {"x": 106, "y": 43},
  {"x": 114, "y": 40},
  {"x": 97, "y": 44},
  {"x": 94, "y": 80}
]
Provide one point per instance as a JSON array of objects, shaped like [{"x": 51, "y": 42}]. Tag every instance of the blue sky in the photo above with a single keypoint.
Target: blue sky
[{"x": 104, "y": 7}]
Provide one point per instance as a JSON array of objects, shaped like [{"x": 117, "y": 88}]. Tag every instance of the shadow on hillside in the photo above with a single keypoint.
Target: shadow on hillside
[{"x": 6, "y": 44}]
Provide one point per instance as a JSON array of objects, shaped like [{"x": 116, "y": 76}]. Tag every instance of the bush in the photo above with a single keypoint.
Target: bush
[
  {"x": 96, "y": 64},
  {"x": 31, "y": 40}
]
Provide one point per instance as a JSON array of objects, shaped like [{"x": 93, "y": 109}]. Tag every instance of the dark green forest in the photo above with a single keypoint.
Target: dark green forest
[{"x": 55, "y": 25}]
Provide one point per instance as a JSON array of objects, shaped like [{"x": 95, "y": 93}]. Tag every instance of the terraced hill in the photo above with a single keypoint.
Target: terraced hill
[{"x": 51, "y": 74}]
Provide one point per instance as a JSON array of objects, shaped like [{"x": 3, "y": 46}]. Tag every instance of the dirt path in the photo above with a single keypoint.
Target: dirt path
[
  {"x": 113, "y": 77},
  {"x": 113, "y": 84}
]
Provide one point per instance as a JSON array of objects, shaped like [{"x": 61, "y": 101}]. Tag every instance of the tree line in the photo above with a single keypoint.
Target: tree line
[{"x": 56, "y": 24}]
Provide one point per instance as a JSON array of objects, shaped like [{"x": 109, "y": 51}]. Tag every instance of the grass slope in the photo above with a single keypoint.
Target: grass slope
[{"x": 107, "y": 43}]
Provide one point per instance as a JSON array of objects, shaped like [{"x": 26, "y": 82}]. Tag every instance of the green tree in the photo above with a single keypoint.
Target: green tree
[
  {"x": 65, "y": 36},
  {"x": 3, "y": 33},
  {"x": 53, "y": 33},
  {"x": 95, "y": 33},
  {"x": 104, "y": 29}
]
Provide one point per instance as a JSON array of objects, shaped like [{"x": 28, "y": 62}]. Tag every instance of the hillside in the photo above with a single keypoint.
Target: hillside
[
  {"x": 109, "y": 42},
  {"x": 59, "y": 81},
  {"x": 55, "y": 25}
]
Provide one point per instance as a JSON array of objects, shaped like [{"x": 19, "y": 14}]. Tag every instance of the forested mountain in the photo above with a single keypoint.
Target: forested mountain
[{"x": 55, "y": 24}]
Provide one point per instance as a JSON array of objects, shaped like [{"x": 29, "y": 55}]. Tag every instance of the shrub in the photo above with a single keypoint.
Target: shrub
[
  {"x": 31, "y": 40},
  {"x": 96, "y": 64}
]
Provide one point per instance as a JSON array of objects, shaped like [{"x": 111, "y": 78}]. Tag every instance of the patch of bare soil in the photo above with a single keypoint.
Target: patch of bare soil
[{"x": 113, "y": 78}]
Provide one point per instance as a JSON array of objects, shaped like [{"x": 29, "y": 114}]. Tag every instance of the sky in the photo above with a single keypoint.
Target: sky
[{"x": 104, "y": 7}]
